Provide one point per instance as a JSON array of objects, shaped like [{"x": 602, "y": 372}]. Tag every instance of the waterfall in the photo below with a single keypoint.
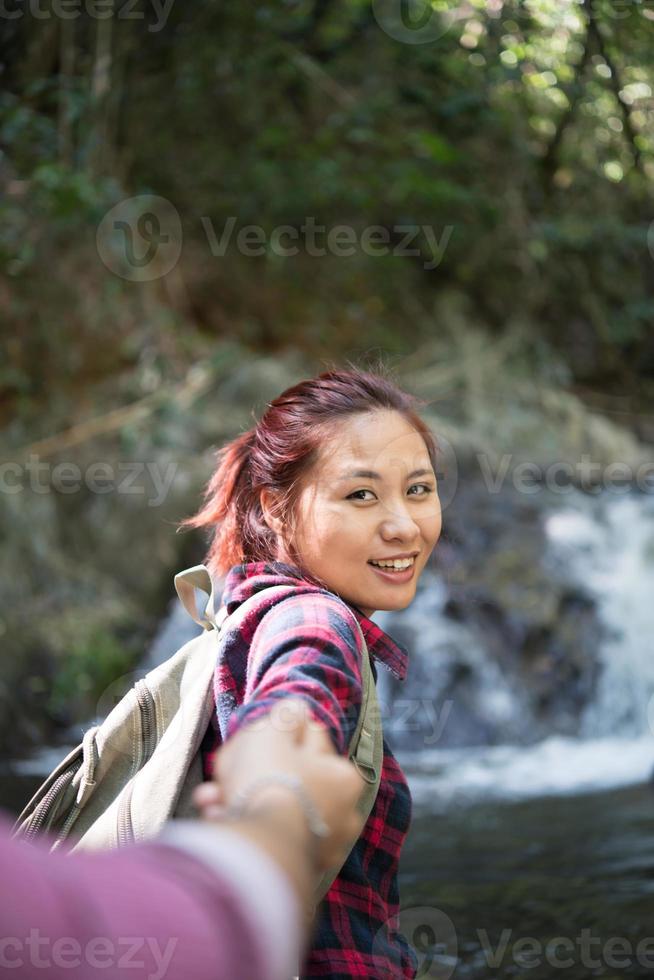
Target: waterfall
[
  {"x": 610, "y": 546},
  {"x": 606, "y": 544},
  {"x": 454, "y": 694}
]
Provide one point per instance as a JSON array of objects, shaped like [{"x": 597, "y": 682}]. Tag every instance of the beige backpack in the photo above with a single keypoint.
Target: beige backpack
[{"x": 137, "y": 769}]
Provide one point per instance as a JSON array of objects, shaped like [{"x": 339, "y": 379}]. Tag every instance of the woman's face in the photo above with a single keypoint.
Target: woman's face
[{"x": 371, "y": 495}]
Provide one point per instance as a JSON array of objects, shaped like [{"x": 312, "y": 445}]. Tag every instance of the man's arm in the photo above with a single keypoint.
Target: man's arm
[
  {"x": 208, "y": 899},
  {"x": 157, "y": 910}
]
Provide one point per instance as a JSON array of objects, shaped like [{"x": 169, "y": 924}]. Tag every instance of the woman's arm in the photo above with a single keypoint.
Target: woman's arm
[{"x": 308, "y": 647}]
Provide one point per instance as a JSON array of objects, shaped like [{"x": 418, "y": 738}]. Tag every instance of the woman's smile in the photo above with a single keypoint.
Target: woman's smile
[{"x": 394, "y": 576}]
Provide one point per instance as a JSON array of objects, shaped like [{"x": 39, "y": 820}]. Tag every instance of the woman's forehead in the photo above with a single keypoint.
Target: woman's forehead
[
  {"x": 404, "y": 457},
  {"x": 368, "y": 434}
]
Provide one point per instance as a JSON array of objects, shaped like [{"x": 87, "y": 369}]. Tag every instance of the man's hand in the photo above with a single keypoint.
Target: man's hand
[{"x": 288, "y": 739}]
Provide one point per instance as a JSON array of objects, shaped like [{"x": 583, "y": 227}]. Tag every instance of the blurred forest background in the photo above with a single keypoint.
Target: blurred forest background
[{"x": 519, "y": 133}]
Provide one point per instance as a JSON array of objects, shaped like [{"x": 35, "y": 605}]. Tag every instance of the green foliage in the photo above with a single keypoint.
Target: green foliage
[
  {"x": 95, "y": 661},
  {"x": 43, "y": 197},
  {"x": 525, "y": 126},
  {"x": 63, "y": 195}
]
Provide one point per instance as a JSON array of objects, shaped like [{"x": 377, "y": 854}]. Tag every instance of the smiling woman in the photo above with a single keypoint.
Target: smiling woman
[
  {"x": 334, "y": 494},
  {"x": 342, "y": 526}
]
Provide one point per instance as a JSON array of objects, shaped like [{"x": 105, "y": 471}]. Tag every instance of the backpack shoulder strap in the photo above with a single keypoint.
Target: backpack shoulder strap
[
  {"x": 186, "y": 582},
  {"x": 367, "y": 753}
]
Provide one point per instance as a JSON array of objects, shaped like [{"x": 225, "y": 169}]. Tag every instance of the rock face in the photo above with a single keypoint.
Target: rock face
[
  {"x": 89, "y": 548},
  {"x": 84, "y": 578},
  {"x": 503, "y": 649}
]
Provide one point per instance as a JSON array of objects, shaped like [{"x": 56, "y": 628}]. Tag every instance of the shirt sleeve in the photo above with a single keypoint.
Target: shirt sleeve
[
  {"x": 310, "y": 647},
  {"x": 150, "y": 911},
  {"x": 258, "y": 884}
]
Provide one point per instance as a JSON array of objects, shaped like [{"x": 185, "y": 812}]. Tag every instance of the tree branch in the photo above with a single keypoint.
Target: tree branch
[
  {"x": 616, "y": 85},
  {"x": 66, "y": 72},
  {"x": 574, "y": 93},
  {"x": 183, "y": 393}
]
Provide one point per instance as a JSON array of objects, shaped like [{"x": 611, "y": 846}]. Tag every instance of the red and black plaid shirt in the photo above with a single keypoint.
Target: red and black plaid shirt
[{"x": 306, "y": 645}]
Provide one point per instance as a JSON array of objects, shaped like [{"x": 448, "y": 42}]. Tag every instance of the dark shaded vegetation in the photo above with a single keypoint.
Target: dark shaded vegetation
[
  {"x": 524, "y": 128},
  {"x": 493, "y": 187}
]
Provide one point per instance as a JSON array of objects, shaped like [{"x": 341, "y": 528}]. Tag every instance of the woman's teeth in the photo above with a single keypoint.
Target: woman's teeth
[{"x": 397, "y": 563}]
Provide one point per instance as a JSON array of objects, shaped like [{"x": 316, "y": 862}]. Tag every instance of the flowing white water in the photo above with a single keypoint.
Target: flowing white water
[
  {"x": 555, "y": 766},
  {"x": 612, "y": 552},
  {"x": 607, "y": 545}
]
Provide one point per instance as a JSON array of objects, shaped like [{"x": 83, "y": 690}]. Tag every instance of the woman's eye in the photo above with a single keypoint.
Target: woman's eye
[
  {"x": 425, "y": 486},
  {"x": 356, "y": 492}
]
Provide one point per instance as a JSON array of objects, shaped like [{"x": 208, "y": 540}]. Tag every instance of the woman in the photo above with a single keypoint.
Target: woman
[{"x": 334, "y": 483}]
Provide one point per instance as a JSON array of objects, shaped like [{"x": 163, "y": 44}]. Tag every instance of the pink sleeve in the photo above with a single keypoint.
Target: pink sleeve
[{"x": 146, "y": 911}]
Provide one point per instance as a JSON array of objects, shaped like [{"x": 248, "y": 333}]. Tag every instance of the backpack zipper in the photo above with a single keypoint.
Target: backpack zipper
[
  {"x": 144, "y": 747},
  {"x": 148, "y": 720},
  {"x": 43, "y": 810}
]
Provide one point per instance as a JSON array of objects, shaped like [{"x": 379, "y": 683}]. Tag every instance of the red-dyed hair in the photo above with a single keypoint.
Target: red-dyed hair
[{"x": 280, "y": 450}]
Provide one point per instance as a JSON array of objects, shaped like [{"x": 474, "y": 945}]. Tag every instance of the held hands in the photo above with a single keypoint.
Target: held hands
[{"x": 289, "y": 741}]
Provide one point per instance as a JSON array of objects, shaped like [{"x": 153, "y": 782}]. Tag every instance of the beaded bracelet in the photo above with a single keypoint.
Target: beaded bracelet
[{"x": 239, "y": 803}]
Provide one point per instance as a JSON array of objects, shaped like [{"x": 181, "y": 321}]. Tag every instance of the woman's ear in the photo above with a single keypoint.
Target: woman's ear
[{"x": 270, "y": 510}]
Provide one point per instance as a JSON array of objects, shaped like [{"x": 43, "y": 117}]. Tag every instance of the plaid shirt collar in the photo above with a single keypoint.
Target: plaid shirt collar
[{"x": 244, "y": 580}]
